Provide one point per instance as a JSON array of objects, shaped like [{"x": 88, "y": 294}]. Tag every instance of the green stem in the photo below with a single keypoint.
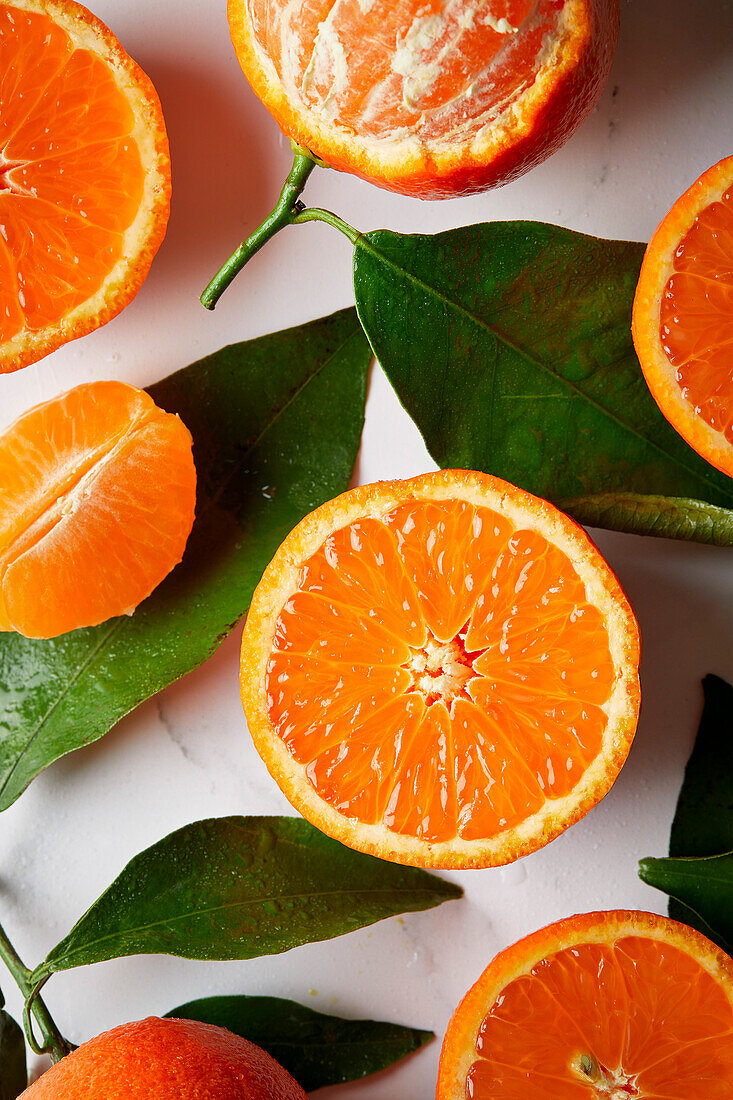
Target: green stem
[
  {"x": 53, "y": 1042},
  {"x": 303, "y": 165},
  {"x": 315, "y": 214},
  {"x": 289, "y": 211}
]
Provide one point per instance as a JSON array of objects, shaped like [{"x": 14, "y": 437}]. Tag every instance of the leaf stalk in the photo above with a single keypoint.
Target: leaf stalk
[{"x": 53, "y": 1042}]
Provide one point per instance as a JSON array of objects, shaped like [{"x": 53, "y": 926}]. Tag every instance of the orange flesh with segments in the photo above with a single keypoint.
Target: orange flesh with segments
[
  {"x": 71, "y": 178},
  {"x": 696, "y": 315},
  {"x": 636, "y": 1017},
  {"x": 388, "y": 68},
  {"x": 99, "y": 493},
  {"x": 440, "y": 671}
]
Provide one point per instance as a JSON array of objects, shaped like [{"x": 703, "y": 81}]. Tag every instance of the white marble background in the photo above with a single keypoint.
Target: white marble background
[{"x": 664, "y": 118}]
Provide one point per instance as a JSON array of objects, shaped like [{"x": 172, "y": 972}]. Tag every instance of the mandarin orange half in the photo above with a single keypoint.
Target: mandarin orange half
[
  {"x": 434, "y": 98},
  {"x": 683, "y": 316},
  {"x": 98, "y": 489},
  {"x": 441, "y": 671},
  {"x": 84, "y": 177},
  {"x": 604, "y": 1006},
  {"x": 166, "y": 1060}
]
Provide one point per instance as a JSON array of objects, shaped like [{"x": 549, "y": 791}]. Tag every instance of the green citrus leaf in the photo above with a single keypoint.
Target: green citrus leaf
[
  {"x": 316, "y": 1049},
  {"x": 241, "y": 887},
  {"x": 667, "y": 517},
  {"x": 13, "y": 1071},
  {"x": 704, "y": 886},
  {"x": 703, "y": 821},
  {"x": 509, "y": 345},
  {"x": 276, "y": 424}
]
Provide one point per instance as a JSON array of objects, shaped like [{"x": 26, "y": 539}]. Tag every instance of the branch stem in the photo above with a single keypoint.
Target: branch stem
[
  {"x": 281, "y": 216},
  {"x": 53, "y": 1042},
  {"x": 288, "y": 211}
]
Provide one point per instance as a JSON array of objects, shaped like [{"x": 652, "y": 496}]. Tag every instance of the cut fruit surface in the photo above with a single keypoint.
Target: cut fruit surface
[
  {"x": 604, "y": 1006},
  {"x": 441, "y": 671},
  {"x": 431, "y": 98},
  {"x": 84, "y": 177},
  {"x": 683, "y": 316},
  {"x": 99, "y": 490}
]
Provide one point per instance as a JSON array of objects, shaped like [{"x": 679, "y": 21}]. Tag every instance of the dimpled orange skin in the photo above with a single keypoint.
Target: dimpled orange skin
[
  {"x": 540, "y": 1058},
  {"x": 78, "y": 232},
  {"x": 551, "y": 101},
  {"x": 166, "y": 1060}
]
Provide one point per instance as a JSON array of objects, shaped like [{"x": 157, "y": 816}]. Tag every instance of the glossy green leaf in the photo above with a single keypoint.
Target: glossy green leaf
[
  {"x": 276, "y": 424},
  {"x": 703, "y": 822},
  {"x": 240, "y": 887},
  {"x": 13, "y": 1072},
  {"x": 316, "y": 1049},
  {"x": 704, "y": 886},
  {"x": 509, "y": 345}
]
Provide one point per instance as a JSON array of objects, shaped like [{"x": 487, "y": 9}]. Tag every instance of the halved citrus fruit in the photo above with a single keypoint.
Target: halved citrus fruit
[
  {"x": 683, "y": 316},
  {"x": 84, "y": 177},
  {"x": 604, "y": 1006},
  {"x": 428, "y": 97},
  {"x": 441, "y": 671},
  {"x": 98, "y": 489}
]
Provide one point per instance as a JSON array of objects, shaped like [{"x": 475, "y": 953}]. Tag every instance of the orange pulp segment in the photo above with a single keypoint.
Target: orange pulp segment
[
  {"x": 683, "y": 316},
  {"x": 84, "y": 177},
  {"x": 605, "y": 1006},
  {"x": 426, "y": 96},
  {"x": 99, "y": 492},
  {"x": 450, "y": 668}
]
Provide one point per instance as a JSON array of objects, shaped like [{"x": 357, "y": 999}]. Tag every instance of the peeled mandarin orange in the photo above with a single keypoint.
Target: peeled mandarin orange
[
  {"x": 98, "y": 489},
  {"x": 604, "y": 1006},
  {"x": 441, "y": 671},
  {"x": 84, "y": 177},
  {"x": 683, "y": 316},
  {"x": 168, "y": 1060},
  {"x": 428, "y": 97}
]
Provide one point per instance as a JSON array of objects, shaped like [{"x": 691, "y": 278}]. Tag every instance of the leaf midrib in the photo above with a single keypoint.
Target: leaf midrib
[
  {"x": 249, "y": 903},
  {"x": 126, "y": 621},
  {"x": 365, "y": 242}
]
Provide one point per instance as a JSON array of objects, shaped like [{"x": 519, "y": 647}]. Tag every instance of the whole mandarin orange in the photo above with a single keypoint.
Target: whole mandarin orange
[{"x": 167, "y": 1060}]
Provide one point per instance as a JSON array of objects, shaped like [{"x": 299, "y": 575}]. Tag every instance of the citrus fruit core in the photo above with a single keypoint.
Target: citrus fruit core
[
  {"x": 84, "y": 176},
  {"x": 442, "y": 671},
  {"x": 426, "y": 96},
  {"x": 631, "y": 1005}
]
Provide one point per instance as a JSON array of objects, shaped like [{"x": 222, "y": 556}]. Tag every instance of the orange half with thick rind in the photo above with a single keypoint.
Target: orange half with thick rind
[
  {"x": 602, "y": 1006},
  {"x": 441, "y": 671},
  {"x": 84, "y": 177},
  {"x": 683, "y": 316},
  {"x": 99, "y": 491},
  {"x": 433, "y": 98}
]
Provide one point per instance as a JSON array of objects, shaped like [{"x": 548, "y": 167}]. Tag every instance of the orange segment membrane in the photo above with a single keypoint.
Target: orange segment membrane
[
  {"x": 71, "y": 178},
  {"x": 637, "y": 1018},
  {"x": 455, "y": 69},
  {"x": 696, "y": 315},
  {"x": 100, "y": 489},
  {"x": 439, "y": 672}
]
